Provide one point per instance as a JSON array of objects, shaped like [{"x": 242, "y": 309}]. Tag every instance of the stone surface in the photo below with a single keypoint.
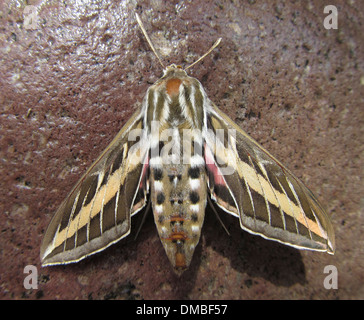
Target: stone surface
[{"x": 71, "y": 79}]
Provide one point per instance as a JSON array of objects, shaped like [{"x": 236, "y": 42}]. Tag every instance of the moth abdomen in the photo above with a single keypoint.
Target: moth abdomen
[{"x": 178, "y": 195}]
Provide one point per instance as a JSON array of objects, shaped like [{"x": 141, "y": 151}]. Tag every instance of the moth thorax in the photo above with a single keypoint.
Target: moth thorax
[{"x": 173, "y": 86}]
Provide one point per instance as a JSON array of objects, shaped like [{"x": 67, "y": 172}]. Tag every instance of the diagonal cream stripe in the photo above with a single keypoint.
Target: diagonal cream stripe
[
  {"x": 261, "y": 166},
  {"x": 299, "y": 202},
  {"x": 257, "y": 182},
  {"x": 290, "y": 204},
  {"x": 92, "y": 209},
  {"x": 250, "y": 197},
  {"x": 78, "y": 220},
  {"x": 262, "y": 190}
]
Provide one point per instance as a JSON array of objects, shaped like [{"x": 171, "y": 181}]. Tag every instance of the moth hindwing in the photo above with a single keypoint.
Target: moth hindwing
[{"x": 179, "y": 149}]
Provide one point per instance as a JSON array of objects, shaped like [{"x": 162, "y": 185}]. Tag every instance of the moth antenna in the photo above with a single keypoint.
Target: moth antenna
[
  {"x": 148, "y": 39},
  {"x": 207, "y": 53},
  {"x": 217, "y": 215}
]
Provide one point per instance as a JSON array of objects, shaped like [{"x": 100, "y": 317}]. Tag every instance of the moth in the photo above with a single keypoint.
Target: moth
[{"x": 178, "y": 152}]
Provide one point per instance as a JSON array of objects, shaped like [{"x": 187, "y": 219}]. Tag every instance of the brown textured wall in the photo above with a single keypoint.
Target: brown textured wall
[{"x": 69, "y": 84}]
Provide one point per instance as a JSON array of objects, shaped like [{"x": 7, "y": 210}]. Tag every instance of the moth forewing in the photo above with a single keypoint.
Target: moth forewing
[
  {"x": 271, "y": 201},
  {"x": 97, "y": 211}
]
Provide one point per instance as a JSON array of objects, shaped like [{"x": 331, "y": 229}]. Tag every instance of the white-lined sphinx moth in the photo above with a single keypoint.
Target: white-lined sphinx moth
[{"x": 179, "y": 149}]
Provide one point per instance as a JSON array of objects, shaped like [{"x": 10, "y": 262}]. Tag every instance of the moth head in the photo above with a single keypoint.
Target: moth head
[{"x": 174, "y": 70}]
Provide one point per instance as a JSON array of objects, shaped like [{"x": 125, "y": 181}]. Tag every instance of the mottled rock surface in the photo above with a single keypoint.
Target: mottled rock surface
[{"x": 73, "y": 76}]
